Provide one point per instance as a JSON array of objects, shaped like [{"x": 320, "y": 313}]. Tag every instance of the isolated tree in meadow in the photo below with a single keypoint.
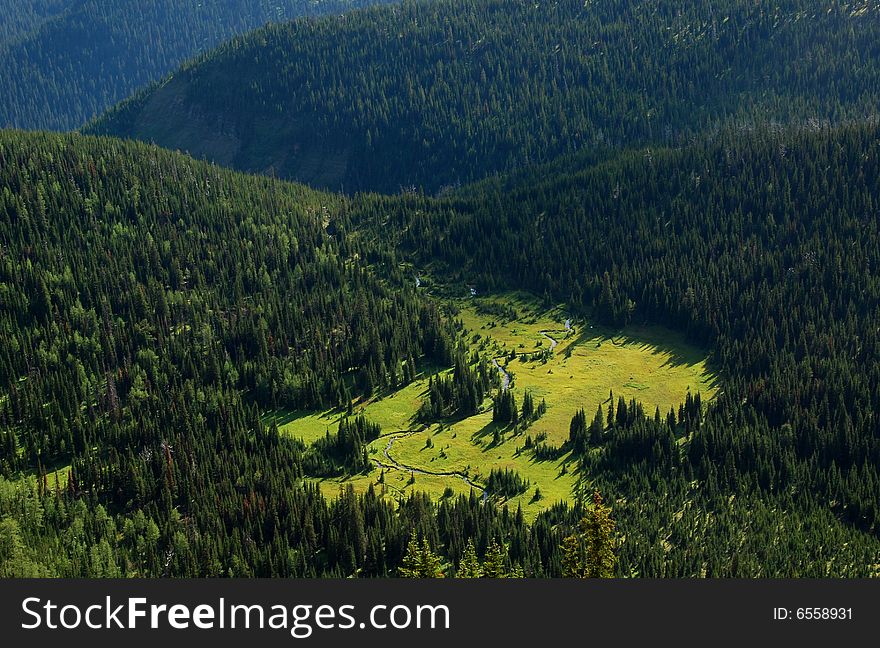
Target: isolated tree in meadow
[
  {"x": 577, "y": 431},
  {"x": 542, "y": 408},
  {"x": 504, "y": 409},
  {"x": 597, "y": 427},
  {"x": 528, "y": 406}
]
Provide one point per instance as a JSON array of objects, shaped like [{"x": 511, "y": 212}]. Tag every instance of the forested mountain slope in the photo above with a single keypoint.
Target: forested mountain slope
[
  {"x": 765, "y": 246},
  {"x": 150, "y": 305},
  {"x": 153, "y": 305},
  {"x": 20, "y": 17},
  {"x": 62, "y": 62},
  {"x": 430, "y": 94}
]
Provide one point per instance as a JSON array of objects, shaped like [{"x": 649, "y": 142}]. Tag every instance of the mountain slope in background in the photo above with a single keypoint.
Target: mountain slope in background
[
  {"x": 21, "y": 17},
  {"x": 62, "y": 62},
  {"x": 431, "y": 94},
  {"x": 138, "y": 347}
]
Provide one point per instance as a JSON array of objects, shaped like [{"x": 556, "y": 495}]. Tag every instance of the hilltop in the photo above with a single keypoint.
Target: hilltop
[
  {"x": 66, "y": 61},
  {"x": 431, "y": 95}
]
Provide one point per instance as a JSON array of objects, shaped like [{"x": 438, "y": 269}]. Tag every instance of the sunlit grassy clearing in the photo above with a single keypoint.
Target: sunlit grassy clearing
[
  {"x": 397, "y": 483},
  {"x": 55, "y": 475},
  {"x": 468, "y": 446},
  {"x": 651, "y": 364},
  {"x": 394, "y": 412}
]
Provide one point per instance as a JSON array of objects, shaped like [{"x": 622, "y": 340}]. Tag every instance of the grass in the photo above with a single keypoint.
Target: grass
[
  {"x": 394, "y": 411},
  {"x": 654, "y": 365},
  {"x": 58, "y": 472},
  {"x": 649, "y": 363},
  {"x": 468, "y": 446},
  {"x": 308, "y": 426},
  {"x": 61, "y": 474},
  {"x": 397, "y": 483}
]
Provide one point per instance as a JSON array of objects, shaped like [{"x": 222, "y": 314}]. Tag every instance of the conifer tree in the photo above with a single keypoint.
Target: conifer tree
[
  {"x": 469, "y": 567},
  {"x": 429, "y": 563},
  {"x": 572, "y": 562},
  {"x": 410, "y": 567},
  {"x": 420, "y": 561},
  {"x": 496, "y": 556},
  {"x": 597, "y": 427},
  {"x": 528, "y": 406},
  {"x": 598, "y": 531},
  {"x": 589, "y": 552}
]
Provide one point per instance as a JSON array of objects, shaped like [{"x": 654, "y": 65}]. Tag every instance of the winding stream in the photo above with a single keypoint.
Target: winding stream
[
  {"x": 393, "y": 463},
  {"x": 505, "y": 377},
  {"x": 553, "y": 342}
]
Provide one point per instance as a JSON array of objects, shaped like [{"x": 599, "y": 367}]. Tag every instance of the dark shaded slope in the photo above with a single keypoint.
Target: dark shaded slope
[
  {"x": 21, "y": 17},
  {"x": 430, "y": 94},
  {"x": 64, "y": 62}
]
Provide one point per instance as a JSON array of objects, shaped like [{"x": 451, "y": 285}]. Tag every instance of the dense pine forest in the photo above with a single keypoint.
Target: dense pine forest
[
  {"x": 435, "y": 93},
  {"x": 763, "y": 245},
  {"x": 146, "y": 366},
  {"x": 143, "y": 295},
  {"x": 21, "y": 17},
  {"x": 190, "y": 355},
  {"x": 151, "y": 307},
  {"x": 67, "y": 61}
]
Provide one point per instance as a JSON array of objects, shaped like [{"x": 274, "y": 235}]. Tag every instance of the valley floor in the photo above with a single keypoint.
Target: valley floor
[{"x": 571, "y": 364}]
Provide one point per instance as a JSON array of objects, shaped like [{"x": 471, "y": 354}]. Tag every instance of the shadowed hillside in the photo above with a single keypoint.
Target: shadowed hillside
[
  {"x": 62, "y": 62},
  {"x": 432, "y": 94}
]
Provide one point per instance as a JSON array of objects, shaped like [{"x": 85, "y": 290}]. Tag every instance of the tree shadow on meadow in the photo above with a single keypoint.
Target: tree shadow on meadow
[
  {"x": 674, "y": 352},
  {"x": 489, "y": 430}
]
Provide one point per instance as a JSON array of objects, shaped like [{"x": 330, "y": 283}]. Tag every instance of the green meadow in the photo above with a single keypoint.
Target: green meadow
[
  {"x": 648, "y": 363},
  {"x": 394, "y": 411}
]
